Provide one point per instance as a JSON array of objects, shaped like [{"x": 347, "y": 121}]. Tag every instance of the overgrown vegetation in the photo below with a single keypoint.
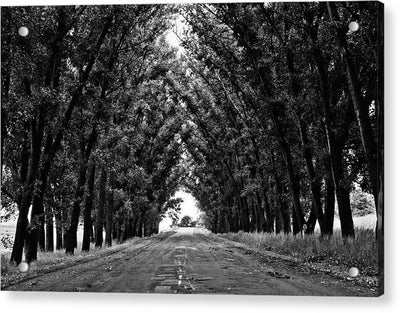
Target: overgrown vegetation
[
  {"x": 362, "y": 203},
  {"x": 360, "y": 251}
]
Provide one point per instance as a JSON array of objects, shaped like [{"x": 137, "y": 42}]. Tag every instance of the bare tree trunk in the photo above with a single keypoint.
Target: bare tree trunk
[
  {"x": 335, "y": 151},
  {"x": 49, "y": 230},
  {"x": 245, "y": 215},
  {"x": 33, "y": 159},
  {"x": 42, "y": 233},
  {"x": 254, "y": 217},
  {"x": 101, "y": 206},
  {"x": 269, "y": 215},
  {"x": 311, "y": 222},
  {"x": 329, "y": 213},
  {"x": 71, "y": 240},
  {"x": 59, "y": 231},
  {"x": 110, "y": 211},
  {"x": 87, "y": 214},
  {"x": 298, "y": 216},
  {"x": 314, "y": 181},
  {"x": 36, "y": 227},
  {"x": 283, "y": 207},
  {"x": 140, "y": 227}
]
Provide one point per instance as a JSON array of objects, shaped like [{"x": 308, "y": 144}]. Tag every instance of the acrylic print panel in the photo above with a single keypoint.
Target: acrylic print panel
[{"x": 193, "y": 148}]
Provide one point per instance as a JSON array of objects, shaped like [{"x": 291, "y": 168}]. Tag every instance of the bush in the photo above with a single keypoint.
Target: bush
[{"x": 362, "y": 203}]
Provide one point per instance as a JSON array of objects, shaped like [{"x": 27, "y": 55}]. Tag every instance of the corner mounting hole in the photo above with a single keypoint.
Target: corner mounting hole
[
  {"x": 23, "y": 31},
  {"x": 354, "y": 26},
  {"x": 353, "y": 272},
  {"x": 23, "y": 267}
]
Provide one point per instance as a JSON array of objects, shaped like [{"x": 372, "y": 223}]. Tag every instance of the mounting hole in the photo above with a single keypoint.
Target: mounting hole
[
  {"x": 354, "y": 26},
  {"x": 353, "y": 272},
  {"x": 23, "y": 31},
  {"x": 23, "y": 267}
]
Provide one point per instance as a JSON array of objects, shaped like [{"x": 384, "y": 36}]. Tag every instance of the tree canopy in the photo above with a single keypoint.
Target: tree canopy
[{"x": 266, "y": 113}]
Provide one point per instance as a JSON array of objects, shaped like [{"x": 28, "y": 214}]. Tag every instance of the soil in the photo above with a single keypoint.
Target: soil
[{"x": 191, "y": 261}]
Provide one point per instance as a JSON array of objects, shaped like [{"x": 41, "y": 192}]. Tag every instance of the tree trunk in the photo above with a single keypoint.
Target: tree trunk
[
  {"x": 274, "y": 199},
  {"x": 245, "y": 215},
  {"x": 335, "y": 151},
  {"x": 329, "y": 214},
  {"x": 278, "y": 219},
  {"x": 254, "y": 217},
  {"x": 140, "y": 227},
  {"x": 101, "y": 206},
  {"x": 27, "y": 193},
  {"x": 87, "y": 214},
  {"x": 59, "y": 231},
  {"x": 20, "y": 234},
  {"x": 49, "y": 230},
  {"x": 110, "y": 211},
  {"x": 298, "y": 216},
  {"x": 86, "y": 151},
  {"x": 92, "y": 232},
  {"x": 42, "y": 233},
  {"x": 314, "y": 181},
  {"x": 286, "y": 218},
  {"x": 71, "y": 240},
  {"x": 311, "y": 222},
  {"x": 36, "y": 227},
  {"x": 283, "y": 208}
]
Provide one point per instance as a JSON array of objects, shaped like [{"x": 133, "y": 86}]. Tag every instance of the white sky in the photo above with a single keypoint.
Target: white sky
[
  {"x": 172, "y": 37},
  {"x": 188, "y": 206}
]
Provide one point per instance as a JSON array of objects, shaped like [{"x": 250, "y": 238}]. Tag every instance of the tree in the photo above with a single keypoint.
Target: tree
[{"x": 186, "y": 221}]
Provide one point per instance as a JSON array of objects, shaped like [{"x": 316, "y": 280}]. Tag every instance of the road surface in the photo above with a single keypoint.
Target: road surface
[{"x": 190, "y": 261}]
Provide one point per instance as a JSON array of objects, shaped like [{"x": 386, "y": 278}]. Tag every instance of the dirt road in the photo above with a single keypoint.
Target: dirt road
[{"x": 191, "y": 262}]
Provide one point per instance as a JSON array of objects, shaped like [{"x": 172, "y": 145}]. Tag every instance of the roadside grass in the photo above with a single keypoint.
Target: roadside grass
[{"x": 334, "y": 251}]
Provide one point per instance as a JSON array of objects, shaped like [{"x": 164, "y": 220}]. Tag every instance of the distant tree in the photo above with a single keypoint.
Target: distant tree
[{"x": 185, "y": 221}]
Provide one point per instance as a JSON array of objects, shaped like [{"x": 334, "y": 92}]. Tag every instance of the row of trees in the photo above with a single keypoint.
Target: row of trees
[
  {"x": 90, "y": 132},
  {"x": 286, "y": 106},
  {"x": 268, "y": 113}
]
